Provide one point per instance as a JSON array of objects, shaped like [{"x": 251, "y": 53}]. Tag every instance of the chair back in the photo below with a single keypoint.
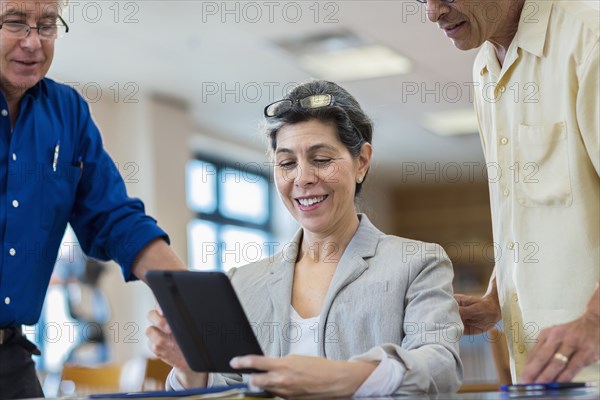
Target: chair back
[
  {"x": 82, "y": 380},
  {"x": 156, "y": 374}
]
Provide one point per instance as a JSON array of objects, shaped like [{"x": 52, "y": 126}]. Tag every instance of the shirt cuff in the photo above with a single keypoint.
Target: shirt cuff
[
  {"x": 126, "y": 253},
  {"x": 173, "y": 383},
  {"x": 251, "y": 387},
  {"x": 385, "y": 378},
  {"x": 210, "y": 382}
]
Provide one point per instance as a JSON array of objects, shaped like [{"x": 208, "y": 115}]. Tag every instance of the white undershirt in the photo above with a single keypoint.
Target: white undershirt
[
  {"x": 303, "y": 334},
  {"x": 384, "y": 380}
]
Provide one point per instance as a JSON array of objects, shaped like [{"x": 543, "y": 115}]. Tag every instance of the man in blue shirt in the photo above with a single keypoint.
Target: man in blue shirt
[{"x": 53, "y": 171}]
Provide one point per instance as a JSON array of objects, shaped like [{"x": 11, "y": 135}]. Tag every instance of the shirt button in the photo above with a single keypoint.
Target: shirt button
[
  {"x": 14, "y": 157},
  {"x": 504, "y": 140},
  {"x": 515, "y": 298},
  {"x": 502, "y": 88},
  {"x": 4, "y": 113},
  {"x": 15, "y": 203},
  {"x": 511, "y": 245},
  {"x": 506, "y": 192},
  {"x": 7, "y": 300},
  {"x": 12, "y": 252},
  {"x": 521, "y": 348}
]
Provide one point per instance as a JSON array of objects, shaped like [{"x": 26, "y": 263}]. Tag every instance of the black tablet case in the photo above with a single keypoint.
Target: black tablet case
[{"x": 206, "y": 317}]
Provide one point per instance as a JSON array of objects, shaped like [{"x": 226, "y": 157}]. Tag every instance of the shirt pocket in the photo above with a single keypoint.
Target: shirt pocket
[
  {"x": 543, "y": 155},
  {"x": 58, "y": 196}
]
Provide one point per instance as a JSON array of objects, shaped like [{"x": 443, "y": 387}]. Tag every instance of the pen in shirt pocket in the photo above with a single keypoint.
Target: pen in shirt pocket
[{"x": 55, "y": 156}]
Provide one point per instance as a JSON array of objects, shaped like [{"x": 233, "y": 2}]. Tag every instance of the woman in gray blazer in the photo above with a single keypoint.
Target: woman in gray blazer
[{"x": 344, "y": 309}]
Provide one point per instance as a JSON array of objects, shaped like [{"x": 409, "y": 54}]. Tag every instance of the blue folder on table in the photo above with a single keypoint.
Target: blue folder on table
[{"x": 234, "y": 389}]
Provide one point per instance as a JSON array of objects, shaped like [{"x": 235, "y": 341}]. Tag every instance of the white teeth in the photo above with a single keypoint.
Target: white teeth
[{"x": 311, "y": 201}]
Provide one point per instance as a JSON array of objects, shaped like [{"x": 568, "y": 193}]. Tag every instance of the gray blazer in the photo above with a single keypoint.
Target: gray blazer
[{"x": 387, "y": 291}]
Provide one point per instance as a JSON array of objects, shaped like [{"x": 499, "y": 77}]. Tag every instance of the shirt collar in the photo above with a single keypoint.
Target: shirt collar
[
  {"x": 533, "y": 27},
  {"x": 40, "y": 88},
  {"x": 531, "y": 33}
]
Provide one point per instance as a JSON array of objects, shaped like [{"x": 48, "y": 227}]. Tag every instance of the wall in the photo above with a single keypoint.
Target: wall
[{"x": 149, "y": 142}]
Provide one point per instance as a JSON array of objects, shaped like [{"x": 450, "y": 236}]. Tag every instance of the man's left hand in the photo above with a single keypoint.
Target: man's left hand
[{"x": 563, "y": 350}]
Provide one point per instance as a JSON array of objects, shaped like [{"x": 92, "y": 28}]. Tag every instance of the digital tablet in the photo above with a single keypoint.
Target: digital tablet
[{"x": 206, "y": 317}]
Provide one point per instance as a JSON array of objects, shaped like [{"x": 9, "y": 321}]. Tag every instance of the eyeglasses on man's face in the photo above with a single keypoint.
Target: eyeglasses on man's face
[
  {"x": 310, "y": 102},
  {"x": 18, "y": 30}
]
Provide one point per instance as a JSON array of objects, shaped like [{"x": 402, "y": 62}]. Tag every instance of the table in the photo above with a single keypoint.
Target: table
[{"x": 579, "y": 394}]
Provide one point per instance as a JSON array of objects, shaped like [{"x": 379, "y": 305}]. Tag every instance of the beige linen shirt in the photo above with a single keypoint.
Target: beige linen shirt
[{"x": 539, "y": 124}]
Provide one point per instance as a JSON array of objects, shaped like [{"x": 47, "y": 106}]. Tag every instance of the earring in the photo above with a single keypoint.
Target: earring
[{"x": 359, "y": 180}]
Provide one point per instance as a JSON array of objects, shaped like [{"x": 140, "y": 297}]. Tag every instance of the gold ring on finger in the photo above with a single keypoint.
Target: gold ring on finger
[{"x": 561, "y": 357}]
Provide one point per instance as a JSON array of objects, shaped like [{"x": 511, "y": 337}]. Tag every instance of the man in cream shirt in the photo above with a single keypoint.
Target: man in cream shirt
[{"x": 536, "y": 81}]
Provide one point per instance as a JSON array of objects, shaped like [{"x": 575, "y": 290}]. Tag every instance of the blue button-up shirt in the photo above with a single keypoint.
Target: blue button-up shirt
[{"x": 54, "y": 170}]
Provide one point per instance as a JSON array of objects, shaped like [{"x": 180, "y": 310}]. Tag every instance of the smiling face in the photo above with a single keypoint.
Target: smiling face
[
  {"x": 24, "y": 62},
  {"x": 316, "y": 176},
  {"x": 469, "y": 23}
]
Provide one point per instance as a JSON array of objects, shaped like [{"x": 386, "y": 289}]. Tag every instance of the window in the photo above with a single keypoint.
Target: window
[{"x": 233, "y": 224}]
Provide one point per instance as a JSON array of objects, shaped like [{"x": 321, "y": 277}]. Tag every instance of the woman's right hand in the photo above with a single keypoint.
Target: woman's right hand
[{"x": 163, "y": 345}]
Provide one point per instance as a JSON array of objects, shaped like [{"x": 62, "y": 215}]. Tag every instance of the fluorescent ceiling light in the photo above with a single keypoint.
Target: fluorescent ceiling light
[
  {"x": 343, "y": 56},
  {"x": 356, "y": 63},
  {"x": 451, "y": 123}
]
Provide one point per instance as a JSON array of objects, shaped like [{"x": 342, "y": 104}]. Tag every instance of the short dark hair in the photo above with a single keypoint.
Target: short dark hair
[{"x": 353, "y": 127}]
